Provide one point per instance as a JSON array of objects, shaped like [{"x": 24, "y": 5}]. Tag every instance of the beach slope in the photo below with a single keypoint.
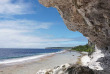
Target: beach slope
[{"x": 32, "y": 66}]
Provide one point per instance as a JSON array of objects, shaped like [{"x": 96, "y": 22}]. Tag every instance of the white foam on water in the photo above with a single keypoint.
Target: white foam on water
[{"x": 17, "y": 60}]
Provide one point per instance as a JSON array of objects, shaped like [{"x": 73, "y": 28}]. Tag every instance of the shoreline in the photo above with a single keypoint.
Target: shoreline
[
  {"x": 28, "y": 58},
  {"x": 31, "y": 67}
]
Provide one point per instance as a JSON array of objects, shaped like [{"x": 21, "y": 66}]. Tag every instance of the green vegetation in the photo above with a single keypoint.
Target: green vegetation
[{"x": 85, "y": 48}]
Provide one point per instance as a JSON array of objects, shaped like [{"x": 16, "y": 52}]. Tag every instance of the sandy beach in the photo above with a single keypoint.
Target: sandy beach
[{"x": 32, "y": 66}]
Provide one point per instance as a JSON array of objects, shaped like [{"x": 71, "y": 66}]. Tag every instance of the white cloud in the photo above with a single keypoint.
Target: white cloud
[
  {"x": 13, "y": 33},
  {"x": 24, "y": 24},
  {"x": 8, "y": 7},
  {"x": 15, "y": 38}
]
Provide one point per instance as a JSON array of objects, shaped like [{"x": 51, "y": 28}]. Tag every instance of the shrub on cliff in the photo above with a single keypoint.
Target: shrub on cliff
[{"x": 85, "y": 48}]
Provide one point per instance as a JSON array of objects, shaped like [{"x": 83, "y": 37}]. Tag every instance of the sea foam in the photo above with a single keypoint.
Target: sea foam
[{"x": 25, "y": 59}]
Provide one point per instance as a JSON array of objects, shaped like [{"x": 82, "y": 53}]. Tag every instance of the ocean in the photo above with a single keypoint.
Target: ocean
[{"x": 20, "y": 54}]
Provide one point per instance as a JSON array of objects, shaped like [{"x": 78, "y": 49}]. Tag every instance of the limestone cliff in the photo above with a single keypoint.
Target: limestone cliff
[{"x": 92, "y": 19}]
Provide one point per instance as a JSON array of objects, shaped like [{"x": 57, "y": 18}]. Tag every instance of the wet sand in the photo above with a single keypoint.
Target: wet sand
[{"x": 31, "y": 67}]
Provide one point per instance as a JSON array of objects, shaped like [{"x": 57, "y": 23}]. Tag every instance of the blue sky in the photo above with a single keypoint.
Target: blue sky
[{"x": 28, "y": 24}]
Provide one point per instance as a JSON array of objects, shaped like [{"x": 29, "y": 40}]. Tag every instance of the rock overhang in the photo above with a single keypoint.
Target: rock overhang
[{"x": 89, "y": 17}]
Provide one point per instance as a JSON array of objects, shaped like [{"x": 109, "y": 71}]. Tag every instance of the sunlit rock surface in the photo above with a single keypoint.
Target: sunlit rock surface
[
  {"x": 92, "y": 19},
  {"x": 67, "y": 69}
]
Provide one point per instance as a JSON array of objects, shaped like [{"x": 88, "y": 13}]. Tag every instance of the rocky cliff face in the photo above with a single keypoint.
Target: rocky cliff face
[{"x": 92, "y": 19}]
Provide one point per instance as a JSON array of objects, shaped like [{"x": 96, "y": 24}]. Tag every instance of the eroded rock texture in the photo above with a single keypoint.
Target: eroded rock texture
[
  {"x": 92, "y": 19},
  {"x": 67, "y": 69}
]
